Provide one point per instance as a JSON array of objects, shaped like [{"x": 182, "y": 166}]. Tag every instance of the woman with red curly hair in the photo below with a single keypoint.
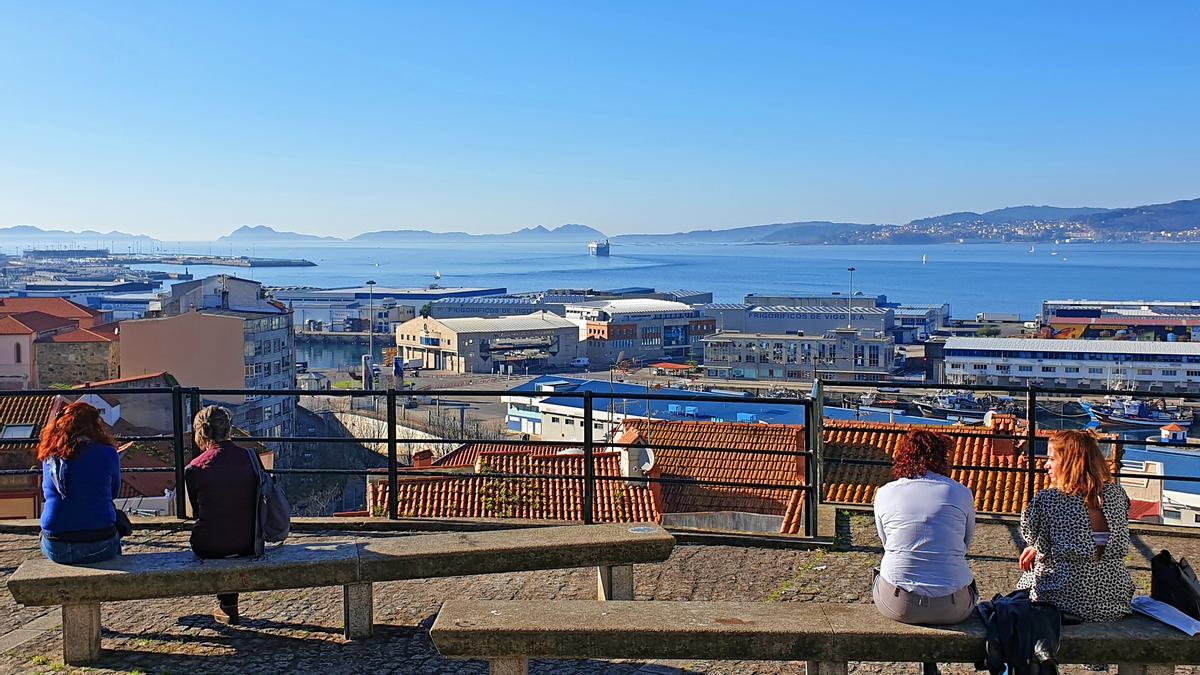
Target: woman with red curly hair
[
  {"x": 926, "y": 521},
  {"x": 81, "y": 476}
]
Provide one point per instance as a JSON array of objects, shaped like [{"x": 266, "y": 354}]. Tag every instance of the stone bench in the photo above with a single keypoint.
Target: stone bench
[
  {"x": 507, "y": 634},
  {"x": 612, "y": 549}
]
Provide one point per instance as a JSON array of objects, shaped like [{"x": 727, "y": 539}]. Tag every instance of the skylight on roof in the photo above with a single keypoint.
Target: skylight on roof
[{"x": 17, "y": 431}]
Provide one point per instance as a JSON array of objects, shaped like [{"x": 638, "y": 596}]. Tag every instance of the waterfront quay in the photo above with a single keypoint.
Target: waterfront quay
[{"x": 301, "y": 630}]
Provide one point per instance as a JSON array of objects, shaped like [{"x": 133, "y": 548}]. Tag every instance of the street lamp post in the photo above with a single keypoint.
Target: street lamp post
[
  {"x": 371, "y": 321},
  {"x": 850, "y": 300}
]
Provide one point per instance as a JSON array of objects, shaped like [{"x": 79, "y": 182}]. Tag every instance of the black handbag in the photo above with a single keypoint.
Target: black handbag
[
  {"x": 124, "y": 527},
  {"x": 1173, "y": 582}
]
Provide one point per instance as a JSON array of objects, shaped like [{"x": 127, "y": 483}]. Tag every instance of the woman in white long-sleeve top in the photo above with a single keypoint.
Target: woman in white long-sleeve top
[{"x": 926, "y": 521}]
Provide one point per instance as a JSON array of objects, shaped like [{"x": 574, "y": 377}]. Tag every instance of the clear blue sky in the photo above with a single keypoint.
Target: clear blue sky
[{"x": 185, "y": 120}]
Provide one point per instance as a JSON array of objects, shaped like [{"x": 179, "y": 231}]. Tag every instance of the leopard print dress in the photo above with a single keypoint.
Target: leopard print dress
[{"x": 1067, "y": 572}]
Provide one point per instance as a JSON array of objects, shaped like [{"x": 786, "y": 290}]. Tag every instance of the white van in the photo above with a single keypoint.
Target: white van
[{"x": 581, "y": 362}]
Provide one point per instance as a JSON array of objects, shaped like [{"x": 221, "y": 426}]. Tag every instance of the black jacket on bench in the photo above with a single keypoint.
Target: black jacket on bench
[{"x": 223, "y": 488}]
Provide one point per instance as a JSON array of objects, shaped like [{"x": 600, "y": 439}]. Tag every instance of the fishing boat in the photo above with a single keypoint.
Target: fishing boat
[
  {"x": 1126, "y": 411},
  {"x": 963, "y": 406},
  {"x": 599, "y": 248}
]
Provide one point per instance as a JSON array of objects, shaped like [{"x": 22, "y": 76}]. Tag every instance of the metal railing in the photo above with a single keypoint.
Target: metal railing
[{"x": 184, "y": 401}]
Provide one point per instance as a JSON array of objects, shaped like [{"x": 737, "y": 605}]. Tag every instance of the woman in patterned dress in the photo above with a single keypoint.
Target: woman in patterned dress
[{"x": 1077, "y": 534}]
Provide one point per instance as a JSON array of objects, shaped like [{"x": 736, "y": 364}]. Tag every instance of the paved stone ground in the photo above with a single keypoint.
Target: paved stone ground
[{"x": 300, "y": 631}]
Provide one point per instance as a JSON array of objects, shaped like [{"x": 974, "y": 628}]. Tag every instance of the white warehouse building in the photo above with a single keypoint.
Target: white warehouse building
[{"x": 1161, "y": 367}]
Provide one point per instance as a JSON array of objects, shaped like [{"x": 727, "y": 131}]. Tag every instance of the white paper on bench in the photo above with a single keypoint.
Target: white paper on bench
[{"x": 1161, "y": 611}]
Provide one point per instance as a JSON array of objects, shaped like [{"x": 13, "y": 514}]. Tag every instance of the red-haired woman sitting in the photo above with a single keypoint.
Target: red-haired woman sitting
[
  {"x": 81, "y": 476},
  {"x": 1077, "y": 532},
  {"x": 926, "y": 521}
]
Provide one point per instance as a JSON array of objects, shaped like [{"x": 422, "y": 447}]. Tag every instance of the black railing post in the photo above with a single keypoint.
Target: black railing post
[
  {"x": 815, "y": 427},
  {"x": 393, "y": 463},
  {"x": 190, "y": 416},
  {"x": 589, "y": 468},
  {"x": 1031, "y": 442},
  {"x": 177, "y": 424}
]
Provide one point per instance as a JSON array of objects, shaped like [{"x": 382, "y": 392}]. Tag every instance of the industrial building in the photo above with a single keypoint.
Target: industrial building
[
  {"x": 640, "y": 329},
  {"x": 514, "y": 344}
]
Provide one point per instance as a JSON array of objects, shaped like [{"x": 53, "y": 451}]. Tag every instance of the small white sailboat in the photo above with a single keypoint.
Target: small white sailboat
[
  {"x": 924, "y": 259},
  {"x": 1031, "y": 249}
]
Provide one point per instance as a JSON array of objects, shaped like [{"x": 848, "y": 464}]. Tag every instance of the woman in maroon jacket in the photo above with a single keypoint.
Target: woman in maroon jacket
[{"x": 222, "y": 485}]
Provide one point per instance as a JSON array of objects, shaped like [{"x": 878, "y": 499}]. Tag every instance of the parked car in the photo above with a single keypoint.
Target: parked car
[{"x": 581, "y": 362}]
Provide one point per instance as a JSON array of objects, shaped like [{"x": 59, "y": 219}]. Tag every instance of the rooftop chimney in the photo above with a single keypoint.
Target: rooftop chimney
[{"x": 422, "y": 459}]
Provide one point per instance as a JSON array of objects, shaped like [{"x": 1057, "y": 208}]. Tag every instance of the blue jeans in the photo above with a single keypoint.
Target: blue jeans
[{"x": 81, "y": 553}]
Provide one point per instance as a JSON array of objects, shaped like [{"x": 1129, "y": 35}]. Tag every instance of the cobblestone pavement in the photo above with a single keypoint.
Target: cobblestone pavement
[{"x": 300, "y": 630}]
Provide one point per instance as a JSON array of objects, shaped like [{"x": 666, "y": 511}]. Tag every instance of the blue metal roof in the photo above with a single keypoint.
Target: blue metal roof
[{"x": 1174, "y": 464}]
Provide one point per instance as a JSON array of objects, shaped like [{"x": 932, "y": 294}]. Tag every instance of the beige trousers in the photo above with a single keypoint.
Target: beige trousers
[{"x": 906, "y": 607}]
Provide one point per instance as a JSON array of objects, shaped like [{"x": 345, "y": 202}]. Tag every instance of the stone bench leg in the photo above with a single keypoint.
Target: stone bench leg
[
  {"x": 1145, "y": 669},
  {"x": 614, "y": 582},
  {"x": 358, "y": 610},
  {"x": 508, "y": 665},
  {"x": 826, "y": 668},
  {"x": 81, "y": 633}
]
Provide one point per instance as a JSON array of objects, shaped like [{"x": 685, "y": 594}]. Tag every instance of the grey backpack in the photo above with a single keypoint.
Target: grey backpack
[{"x": 272, "y": 514}]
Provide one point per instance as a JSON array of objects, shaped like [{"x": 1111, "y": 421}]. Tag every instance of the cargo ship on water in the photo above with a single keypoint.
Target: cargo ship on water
[{"x": 599, "y": 248}]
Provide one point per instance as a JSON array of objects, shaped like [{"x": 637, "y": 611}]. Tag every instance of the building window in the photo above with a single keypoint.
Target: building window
[
  {"x": 1169, "y": 514},
  {"x": 1071, "y": 369},
  {"x": 570, "y": 422},
  {"x": 1003, "y": 368},
  {"x": 1170, "y": 373},
  {"x": 1049, "y": 369},
  {"x": 1100, "y": 371},
  {"x": 17, "y": 431},
  {"x": 555, "y": 420},
  {"x": 956, "y": 366},
  {"x": 980, "y": 366},
  {"x": 1193, "y": 373},
  {"x": 1025, "y": 369},
  {"x": 17, "y": 353},
  {"x": 1145, "y": 371}
]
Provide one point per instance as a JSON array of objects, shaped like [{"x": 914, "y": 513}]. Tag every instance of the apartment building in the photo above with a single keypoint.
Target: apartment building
[{"x": 220, "y": 333}]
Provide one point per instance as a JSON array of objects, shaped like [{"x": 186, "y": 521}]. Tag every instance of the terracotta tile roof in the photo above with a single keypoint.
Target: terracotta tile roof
[
  {"x": 475, "y": 496},
  {"x": 168, "y": 381},
  {"x": 996, "y": 490},
  {"x": 40, "y": 322},
  {"x": 729, "y": 466},
  {"x": 78, "y": 335},
  {"x": 465, "y": 455},
  {"x": 32, "y": 410},
  {"x": 144, "y": 454},
  {"x": 111, "y": 330},
  {"x": 10, "y": 326},
  {"x": 60, "y": 307}
]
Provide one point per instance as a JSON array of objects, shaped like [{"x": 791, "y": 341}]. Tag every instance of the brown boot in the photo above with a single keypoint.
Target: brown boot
[{"x": 227, "y": 614}]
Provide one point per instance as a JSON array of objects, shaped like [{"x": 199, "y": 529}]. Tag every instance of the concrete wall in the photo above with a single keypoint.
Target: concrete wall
[
  {"x": 360, "y": 425},
  {"x": 75, "y": 362},
  {"x": 199, "y": 350}
]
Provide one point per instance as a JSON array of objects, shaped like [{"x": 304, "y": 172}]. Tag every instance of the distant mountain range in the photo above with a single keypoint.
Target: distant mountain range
[
  {"x": 563, "y": 233},
  {"x": 1178, "y": 220},
  {"x": 30, "y": 233},
  {"x": 261, "y": 233},
  {"x": 1015, "y": 223}
]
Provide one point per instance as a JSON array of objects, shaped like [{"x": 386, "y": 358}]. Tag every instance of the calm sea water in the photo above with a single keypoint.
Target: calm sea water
[{"x": 971, "y": 277}]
